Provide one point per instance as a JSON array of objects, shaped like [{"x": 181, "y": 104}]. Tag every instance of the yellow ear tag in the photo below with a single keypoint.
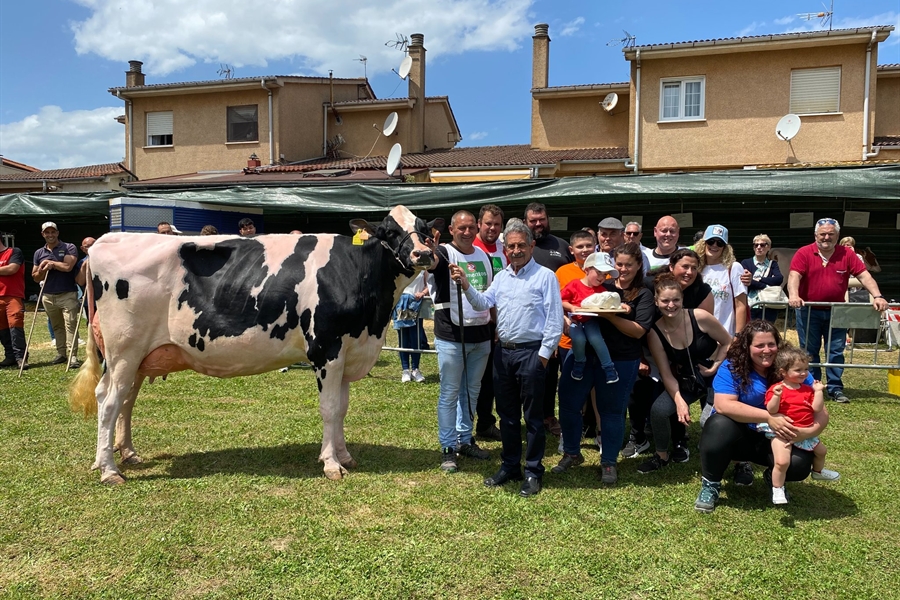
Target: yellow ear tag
[{"x": 358, "y": 238}]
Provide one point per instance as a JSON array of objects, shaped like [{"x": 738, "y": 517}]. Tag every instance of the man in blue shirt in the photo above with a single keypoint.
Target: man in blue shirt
[
  {"x": 54, "y": 265},
  {"x": 529, "y": 325}
]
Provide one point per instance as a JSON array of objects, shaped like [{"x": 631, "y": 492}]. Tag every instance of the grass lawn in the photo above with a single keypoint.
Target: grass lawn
[{"x": 230, "y": 502}]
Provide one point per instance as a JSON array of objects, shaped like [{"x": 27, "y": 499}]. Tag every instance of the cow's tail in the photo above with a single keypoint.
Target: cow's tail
[{"x": 83, "y": 389}]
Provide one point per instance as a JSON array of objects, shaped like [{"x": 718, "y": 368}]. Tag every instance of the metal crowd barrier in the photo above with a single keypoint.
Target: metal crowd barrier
[
  {"x": 852, "y": 316},
  {"x": 426, "y": 312}
]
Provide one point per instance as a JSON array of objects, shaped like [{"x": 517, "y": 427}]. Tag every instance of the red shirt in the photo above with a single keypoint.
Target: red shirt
[
  {"x": 575, "y": 292},
  {"x": 13, "y": 285},
  {"x": 796, "y": 404},
  {"x": 825, "y": 282}
]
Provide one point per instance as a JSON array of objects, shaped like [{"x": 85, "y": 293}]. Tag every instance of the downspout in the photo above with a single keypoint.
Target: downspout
[
  {"x": 324, "y": 129},
  {"x": 262, "y": 82},
  {"x": 130, "y": 152},
  {"x": 865, "y": 139},
  {"x": 637, "y": 112}
]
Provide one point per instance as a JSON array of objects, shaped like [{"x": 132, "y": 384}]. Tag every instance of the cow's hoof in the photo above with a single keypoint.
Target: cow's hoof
[
  {"x": 350, "y": 464},
  {"x": 113, "y": 479},
  {"x": 95, "y": 466},
  {"x": 334, "y": 474},
  {"x": 134, "y": 459}
]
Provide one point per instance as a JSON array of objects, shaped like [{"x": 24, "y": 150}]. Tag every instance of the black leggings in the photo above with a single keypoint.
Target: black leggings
[{"x": 724, "y": 440}]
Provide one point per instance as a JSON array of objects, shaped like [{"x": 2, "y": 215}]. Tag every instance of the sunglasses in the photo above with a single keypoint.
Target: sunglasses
[
  {"x": 716, "y": 242},
  {"x": 762, "y": 245},
  {"x": 826, "y": 222},
  {"x": 630, "y": 233}
]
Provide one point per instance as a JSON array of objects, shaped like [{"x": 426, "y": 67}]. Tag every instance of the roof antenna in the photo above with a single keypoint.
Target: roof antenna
[
  {"x": 401, "y": 43},
  {"x": 825, "y": 15},
  {"x": 626, "y": 42},
  {"x": 226, "y": 71},
  {"x": 363, "y": 60}
]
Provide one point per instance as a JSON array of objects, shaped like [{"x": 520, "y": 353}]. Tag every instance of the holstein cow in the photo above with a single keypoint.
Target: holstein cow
[{"x": 228, "y": 306}]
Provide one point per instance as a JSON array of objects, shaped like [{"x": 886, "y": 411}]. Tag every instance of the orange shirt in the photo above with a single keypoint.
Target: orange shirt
[{"x": 564, "y": 275}]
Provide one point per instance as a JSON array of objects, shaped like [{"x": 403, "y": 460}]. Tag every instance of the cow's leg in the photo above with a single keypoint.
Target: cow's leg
[
  {"x": 331, "y": 389},
  {"x": 340, "y": 443},
  {"x": 112, "y": 390},
  {"x": 124, "y": 445}
]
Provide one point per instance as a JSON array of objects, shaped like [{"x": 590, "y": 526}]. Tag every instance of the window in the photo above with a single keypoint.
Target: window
[
  {"x": 242, "y": 123},
  {"x": 682, "y": 99},
  {"x": 159, "y": 128},
  {"x": 815, "y": 91}
]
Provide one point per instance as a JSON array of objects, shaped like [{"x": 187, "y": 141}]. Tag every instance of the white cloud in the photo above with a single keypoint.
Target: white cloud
[
  {"x": 477, "y": 135},
  {"x": 784, "y": 20},
  {"x": 169, "y": 35},
  {"x": 571, "y": 27},
  {"x": 53, "y": 139},
  {"x": 887, "y": 18},
  {"x": 749, "y": 29}
]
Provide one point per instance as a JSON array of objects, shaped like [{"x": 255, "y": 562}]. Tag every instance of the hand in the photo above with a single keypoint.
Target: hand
[
  {"x": 684, "y": 413},
  {"x": 880, "y": 304},
  {"x": 746, "y": 277},
  {"x": 46, "y": 265},
  {"x": 818, "y": 386},
  {"x": 778, "y": 389},
  {"x": 782, "y": 426},
  {"x": 707, "y": 371},
  {"x": 420, "y": 295},
  {"x": 456, "y": 274},
  {"x": 644, "y": 368},
  {"x": 544, "y": 361},
  {"x": 566, "y": 323},
  {"x": 795, "y": 302}
]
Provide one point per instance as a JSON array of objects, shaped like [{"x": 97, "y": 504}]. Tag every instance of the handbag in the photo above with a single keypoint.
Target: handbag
[
  {"x": 771, "y": 293},
  {"x": 692, "y": 386}
]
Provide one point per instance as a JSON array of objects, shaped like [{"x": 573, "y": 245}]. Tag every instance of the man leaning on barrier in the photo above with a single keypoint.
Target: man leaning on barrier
[{"x": 820, "y": 272}]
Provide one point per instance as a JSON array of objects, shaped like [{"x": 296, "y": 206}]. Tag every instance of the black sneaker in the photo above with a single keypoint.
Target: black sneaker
[
  {"x": 493, "y": 434},
  {"x": 9, "y": 361},
  {"x": 567, "y": 462},
  {"x": 634, "y": 447},
  {"x": 473, "y": 451},
  {"x": 680, "y": 454},
  {"x": 655, "y": 463},
  {"x": 448, "y": 460},
  {"x": 743, "y": 473},
  {"x": 59, "y": 360}
]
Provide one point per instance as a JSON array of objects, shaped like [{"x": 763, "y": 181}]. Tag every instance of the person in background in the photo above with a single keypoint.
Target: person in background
[
  {"x": 759, "y": 273},
  {"x": 246, "y": 228},
  {"x": 12, "y": 306},
  {"x": 666, "y": 232},
  {"x": 720, "y": 272},
  {"x": 634, "y": 233},
  {"x": 54, "y": 265},
  {"x": 165, "y": 228},
  {"x": 209, "y": 230},
  {"x": 406, "y": 322}
]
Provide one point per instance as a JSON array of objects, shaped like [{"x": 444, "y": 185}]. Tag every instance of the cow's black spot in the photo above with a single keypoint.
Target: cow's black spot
[
  {"x": 106, "y": 285},
  {"x": 200, "y": 344},
  {"x": 322, "y": 374},
  {"x": 193, "y": 340},
  {"x": 319, "y": 384},
  {"x": 122, "y": 289},
  {"x": 98, "y": 288}
]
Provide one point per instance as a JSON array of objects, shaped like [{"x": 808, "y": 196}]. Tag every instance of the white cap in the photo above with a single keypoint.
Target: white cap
[
  {"x": 47, "y": 225},
  {"x": 175, "y": 230},
  {"x": 602, "y": 262}
]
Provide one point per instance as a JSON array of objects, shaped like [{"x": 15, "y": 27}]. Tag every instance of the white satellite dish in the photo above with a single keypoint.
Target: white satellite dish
[
  {"x": 393, "y": 160},
  {"x": 390, "y": 124},
  {"x": 787, "y": 127},
  {"x": 405, "y": 66},
  {"x": 610, "y": 101}
]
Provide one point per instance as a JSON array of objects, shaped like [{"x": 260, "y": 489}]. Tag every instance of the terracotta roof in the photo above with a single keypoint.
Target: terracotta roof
[
  {"x": 888, "y": 66},
  {"x": 476, "y": 156},
  {"x": 88, "y": 172},
  {"x": 887, "y": 140},
  {"x": 226, "y": 82},
  {"x": 828, "y": 164},
  {"x": 17, "y": 165}
]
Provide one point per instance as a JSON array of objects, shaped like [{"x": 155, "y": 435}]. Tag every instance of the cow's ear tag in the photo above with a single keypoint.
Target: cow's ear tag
[{"x": 358, "y": 238}]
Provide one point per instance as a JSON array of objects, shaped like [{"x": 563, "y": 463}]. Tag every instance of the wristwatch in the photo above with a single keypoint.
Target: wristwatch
[{"x": 882, "y": 297}]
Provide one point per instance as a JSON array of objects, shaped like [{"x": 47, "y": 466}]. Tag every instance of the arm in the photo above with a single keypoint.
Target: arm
[
  {"x": 669, "y": 381},
  {"x": 629, "y": 328},
  {"x": 708, "y": 304},
  {"x": 740, "y": 312},
  {"x": 774, "y": 403},
  {"x": 81, "y": 276},
  {"x": 820, "y": 422},
  {"x": 710, "y": 325},
  {"x": 818, "y": 403},
  {"x": 775, "y": 277},
  {"x": 869, "y": 283},
  {"x": 730, "y": 406},
  {"x": 793, "y": 286},
  {"x": 478, "y": 300},
  {"x": 553, "y": 324},
  {"x": 10, "y": 269}
]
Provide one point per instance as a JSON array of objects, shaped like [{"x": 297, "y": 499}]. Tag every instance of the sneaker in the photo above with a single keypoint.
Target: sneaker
[
  {"x": 473, "y": 451},
  {"x": 680, "y": 454},
  {"x": 612, "y": 376},
  {"x": 74, "y": 364},
  {"x": 448, "y": 460},
  {"x": 708, "y": 496},
  {"x": 567, "y": 462},
  {"x": 608, "y": 474},
  {"x": 552, "y": 426},
  {"x": 826, "y": 475},
  {"x": 405, "y": 376},
  {"x": 59, "y": 360},
  {"x": 634, "y": 447},
  {"x": 9, "y": 361},
  {"x": 23, "y": 367},
  {"x": 578, "y": 370},
  {"x": 840, "y": 397},
  {"x": 492, "y": 433},
  {"x": 417, "y": 376},
  {"x": 743, "y": 474},
  {"x": 655, "y": 463},
  {"x": 778, "y": 495}
]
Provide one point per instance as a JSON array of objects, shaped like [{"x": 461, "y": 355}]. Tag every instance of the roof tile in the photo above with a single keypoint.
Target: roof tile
[{"x": 88, "y": 172}]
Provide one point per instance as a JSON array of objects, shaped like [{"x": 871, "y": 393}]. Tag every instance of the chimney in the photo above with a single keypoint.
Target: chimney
[
  {"x": 133, "y": 76},
  {"x": 253, "y": 161},
  {"x": 540, "y": 68},
  {"x": 416, "y": 51}
]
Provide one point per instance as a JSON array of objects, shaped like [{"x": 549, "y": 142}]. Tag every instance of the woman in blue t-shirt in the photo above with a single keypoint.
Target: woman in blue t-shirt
[{"x": 730, "y": 433}]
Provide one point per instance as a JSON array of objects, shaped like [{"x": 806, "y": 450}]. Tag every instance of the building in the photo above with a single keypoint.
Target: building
[{"x": 92, "y": 178}]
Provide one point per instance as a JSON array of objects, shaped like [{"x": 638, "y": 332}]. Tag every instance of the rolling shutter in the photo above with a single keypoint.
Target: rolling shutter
[{"x": 816, "y": 91}]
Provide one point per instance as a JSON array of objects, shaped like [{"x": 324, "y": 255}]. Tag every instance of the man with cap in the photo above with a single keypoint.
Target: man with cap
[
  {"x": 165, "y": 228},
  {"x": 12, "y": 305},
  {"x": 54, "y": 265},
  {"x": 666, "y": 233},
  {"x": 246, "y": 227}
]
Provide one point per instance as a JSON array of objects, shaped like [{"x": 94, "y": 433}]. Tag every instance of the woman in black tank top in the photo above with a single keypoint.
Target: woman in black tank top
[{"x": 682, "y": 343}]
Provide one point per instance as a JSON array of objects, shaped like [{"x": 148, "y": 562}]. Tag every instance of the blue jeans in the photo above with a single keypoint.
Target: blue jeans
[
  {"x": 453, "y": 410},
  {"x": 612, "y": 400},
  {"x": 812, "y": 341},
  {"x": 409, "y": 339},
  {"x": 766, "y": 314},
  {"x": 581, "y": 333}
]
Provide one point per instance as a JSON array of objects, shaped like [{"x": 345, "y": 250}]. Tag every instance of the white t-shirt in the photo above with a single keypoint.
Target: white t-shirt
[
  {"x": 716, "y": 276},
  {"x": 654, "y": 261}
]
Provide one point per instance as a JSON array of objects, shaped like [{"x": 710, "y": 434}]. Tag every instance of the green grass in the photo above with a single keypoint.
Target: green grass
[{"x": 231, "y": 503}]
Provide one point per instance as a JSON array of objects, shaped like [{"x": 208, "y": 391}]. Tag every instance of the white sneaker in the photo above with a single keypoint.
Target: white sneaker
[
  {"x": 405, "y": 376},
  {"x": 826, "y": 475},
  {"x": 778, "y": 495},
  {"x": 417, "y": 376}
]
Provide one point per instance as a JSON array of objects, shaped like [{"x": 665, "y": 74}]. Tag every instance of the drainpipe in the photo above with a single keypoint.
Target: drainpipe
[
  {"x": 865, "y": 140},
  {"x": 637, "y": 112},
  {"x": 129, "y": 153},
  {"x": 324, "y": 129},
  {"x": 262, "y": 82}
]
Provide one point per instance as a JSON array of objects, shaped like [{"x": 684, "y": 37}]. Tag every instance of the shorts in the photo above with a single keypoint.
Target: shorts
[{"x": 808, "y": 444}]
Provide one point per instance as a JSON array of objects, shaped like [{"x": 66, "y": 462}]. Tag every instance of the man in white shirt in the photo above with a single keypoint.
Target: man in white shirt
[{"x": 666, "y": 232}]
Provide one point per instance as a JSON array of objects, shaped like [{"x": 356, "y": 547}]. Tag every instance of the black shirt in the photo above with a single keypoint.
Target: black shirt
[
  {"x": 643, "y": 312},
  {"x": 552, "y": 252}
]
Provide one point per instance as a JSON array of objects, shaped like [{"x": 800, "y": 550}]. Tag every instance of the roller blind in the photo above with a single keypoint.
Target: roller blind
[
  {"x": 815, "y": 91},
  {"x": 159, "y": 123}
]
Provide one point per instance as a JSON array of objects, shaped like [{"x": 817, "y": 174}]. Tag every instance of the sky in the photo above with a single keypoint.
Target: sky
[{"x": 58, "y": 58}]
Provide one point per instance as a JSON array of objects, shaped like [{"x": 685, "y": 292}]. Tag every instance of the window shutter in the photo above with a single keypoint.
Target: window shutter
[
  {"x": 159, "y": 123},
  {"x": 815, "y": 91}
]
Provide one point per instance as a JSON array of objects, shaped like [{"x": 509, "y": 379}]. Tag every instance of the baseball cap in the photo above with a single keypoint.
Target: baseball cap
[
  {"x": 47, "y": 225},
  {"x": 602, "y": 262},
  {"x": 716, "y": 231},
  {"x": 611, "y": 223},
  {"x": 175, "y": 230}
]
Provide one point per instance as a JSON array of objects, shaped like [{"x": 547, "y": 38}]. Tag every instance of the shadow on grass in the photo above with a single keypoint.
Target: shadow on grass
[
  {"x": 870, "y": 397},
  {"x": 808, "y": 502}
]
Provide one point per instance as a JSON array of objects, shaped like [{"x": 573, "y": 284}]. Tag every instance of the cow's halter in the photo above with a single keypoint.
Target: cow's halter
[{"x": 406, "y": 235}]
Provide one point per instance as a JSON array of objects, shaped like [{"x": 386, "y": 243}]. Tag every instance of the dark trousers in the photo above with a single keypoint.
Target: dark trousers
[
  {"x": 484, "y": 407},
  {"x": 519, "y": 386},
  {"x": 724, "y": 440},
  {"x": 551, "y": 381},
  {"x": 643, "y": 394}
]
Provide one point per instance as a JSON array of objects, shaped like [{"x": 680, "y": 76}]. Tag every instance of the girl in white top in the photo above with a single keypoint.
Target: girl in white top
[{"x": 723, "y": 274}]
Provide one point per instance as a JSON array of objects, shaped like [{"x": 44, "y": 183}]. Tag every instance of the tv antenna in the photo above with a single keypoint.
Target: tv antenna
[
  {"x": 363, "y": 60},
  {"x": 824, "y": 15},
  {"x": 626, "y": 42},
  {"x": 400, "y": 43},
  {"x": 226, "y": 71}
]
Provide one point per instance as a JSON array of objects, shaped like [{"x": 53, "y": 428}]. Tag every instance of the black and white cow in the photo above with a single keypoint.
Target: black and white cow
[{"x": 227, "y": 306}]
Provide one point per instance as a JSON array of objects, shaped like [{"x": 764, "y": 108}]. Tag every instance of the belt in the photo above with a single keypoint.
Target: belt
[
  {"x": 536, "y": 345},
  {"x": 441, "y": 305}
]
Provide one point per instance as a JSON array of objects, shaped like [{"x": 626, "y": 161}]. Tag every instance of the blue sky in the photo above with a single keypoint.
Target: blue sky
[{"x": 59, "y": 57}]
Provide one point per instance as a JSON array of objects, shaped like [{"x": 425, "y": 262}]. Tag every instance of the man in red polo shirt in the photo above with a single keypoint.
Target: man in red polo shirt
[
  {"x": 12, "y": 305},
  {"x": 820, "y": 272}
]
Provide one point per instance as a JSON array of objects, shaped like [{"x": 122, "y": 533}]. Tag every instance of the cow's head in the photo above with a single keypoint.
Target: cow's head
[{"x": 408, "y": 237}]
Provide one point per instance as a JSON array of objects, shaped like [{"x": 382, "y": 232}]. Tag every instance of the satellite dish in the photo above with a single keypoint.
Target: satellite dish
[
  {"x": 405, "y": 66},
  {"x": 390, "y": 124},
  {"x": 393, "y": 159},
  {"x": 610, "y": 101},
  {"x": 787, "y": 127}
]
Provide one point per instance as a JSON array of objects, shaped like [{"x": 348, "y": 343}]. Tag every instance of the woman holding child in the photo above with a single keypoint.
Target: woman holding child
[{"x": 731, "y": 433}]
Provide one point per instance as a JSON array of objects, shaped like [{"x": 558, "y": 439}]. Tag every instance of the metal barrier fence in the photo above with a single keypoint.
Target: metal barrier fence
[
  {"x": 426, "y": 312},
  {"x": 851, "y": 316}
]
